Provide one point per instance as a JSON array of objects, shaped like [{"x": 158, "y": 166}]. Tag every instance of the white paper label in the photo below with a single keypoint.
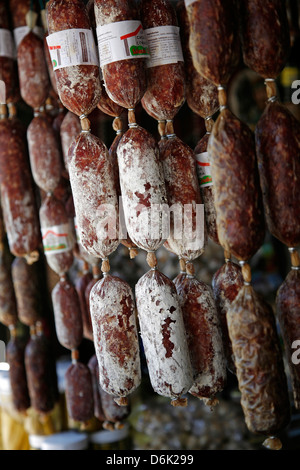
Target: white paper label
[
  {"x": 72, "y": 47},
  {"x": 189, "y": 2},
  {"x": 7, "y": 45},
  {"x": 203, "y": 170},
  {"x": 58, "y": 239},
  {"x": 164, "y": 45},
  {"x": 20, "y": 33},
  {"x": 120, "y": 41}
]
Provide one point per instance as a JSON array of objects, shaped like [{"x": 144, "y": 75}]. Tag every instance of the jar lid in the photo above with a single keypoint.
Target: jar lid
[
  {"x": 105, "y": 437},
  {"x": 68, "y": 440}
]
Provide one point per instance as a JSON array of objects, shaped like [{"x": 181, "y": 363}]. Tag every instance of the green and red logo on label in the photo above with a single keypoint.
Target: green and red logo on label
[
  {"x": 121, "y": 41},
  {"x": 57, "y": 239},
  {"x": 203, "y": 170},
  {"x": 138, "y": 49}
]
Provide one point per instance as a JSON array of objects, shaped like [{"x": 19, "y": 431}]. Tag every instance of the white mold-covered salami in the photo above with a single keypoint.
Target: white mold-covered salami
[
  {"x": 113, "y": 315},
  {"x": 163, "y": 335},
  {"x": 187, "y": 235},
  {"x": 142, "y": 187},
  {"x": 69, "y": 130},
  {"x": 44, "y": 153},
  {"x": 95, "y": 195},
  {"x": 204, "y": 337}
]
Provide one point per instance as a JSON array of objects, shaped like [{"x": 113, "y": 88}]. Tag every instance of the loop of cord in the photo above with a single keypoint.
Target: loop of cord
[
  {"x": 85, "y": 123},
  {"x": 246, "y": 272},
  {"x": 227, "y": 256},
  {"x": 3, "y": 111},
  {"x": 295, "y": 259},
  {"x": 131, "y": 118},
  {"x": 105, "y": 267},
  {"x": 152, "y": 260},
  {"x": 271, "y": 89},
  {"x": 170, "y": 129},
  {"x": 222, "y": 95},
  {"x": 209, "y": 124},
  {"x": 162, "y": 129},
  {"x": 74, "y": 356}
]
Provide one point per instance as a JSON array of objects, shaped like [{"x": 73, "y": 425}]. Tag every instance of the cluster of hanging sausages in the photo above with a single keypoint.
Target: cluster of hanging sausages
[{"x": 191, "y": 332}]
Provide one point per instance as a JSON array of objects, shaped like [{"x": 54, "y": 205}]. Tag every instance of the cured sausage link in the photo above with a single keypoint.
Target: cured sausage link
[
  {"x": 112, "y": 310},
  {"x": 259, "y": 365},
  {"x": 78, "y": 86},
  {"x": 277, "y": 137},
  {"x": 239, "y": 210},
  {"x": 203, "y": 329},
  {"x": 164, "y": 337}
]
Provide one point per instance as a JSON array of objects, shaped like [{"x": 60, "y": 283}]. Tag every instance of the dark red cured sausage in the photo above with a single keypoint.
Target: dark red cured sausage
[
  {"x": 107, "y": 409},
  {"x": 19, "y": 10},
  {"x": 69, "y": 130},
  {"x": 27, "y": 291},
  {"x": 15, "y": 356},
  {"x": 114, "y": 158},
  {"x": 17, "y": 195},
  {"x": 239, "y": 207},
  {"x": 67, "y": 314},
  {"x": 98, "y": 409},
  {"x": 33, "y": 72},
  {"x": 259, "y": 365},
  {"x": 182, "y": 187},
  {"x": 81, "y": 285},
  {"x": 39, "y": 371},
  {"x": 78, "y": 85},
  {"x": 142, "y": 187},
  {"x": 226, "y": 284},
  {"x": 54, "y": 223},
  {"x": 207, "y": 194},
  {"x": 265, "y": 36},
  {"x": 113, "y": 412},
  {"x": 97, "y": 275},
  {"x": 288, "y": 308},
  {"x": 164, "y": 337},
  {"x": 277, "y": 137},
  {"x": 203, "y": 330},
  {"x": 44, "y": 153},
  {"x": 95, "y": 195},
  {"x": 213, "y": 39},
  {"x": 125, "y": 80},
  {"x": 113, "y": 316},
  {"x": 7, "y": 62},
  {"x": 79, "y": 392},
  {"x": 165, "y": 92},
  {"x": 107, "y": 105},
  {"x": 201, "y": 94},
  {"x": 8, "y": 304}
]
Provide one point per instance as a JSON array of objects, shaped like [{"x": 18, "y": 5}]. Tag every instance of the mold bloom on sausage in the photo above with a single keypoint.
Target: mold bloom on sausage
[
  {"x": 95, "y": 195},
  {"x": 163, "y": 335},
  {"x": 78, "y": 86},
  {"x": 204, "y": 337},
  {"x": 142, "y": 187},
  {"x": 226, "y": 284},
  {"x": 277, "y": 136},
  {"x": 113, "y": 317},
  {"x": 239, "y": 206},
  {"x": 260, "y": 370},
  {"x": 187, "y": 226}
]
